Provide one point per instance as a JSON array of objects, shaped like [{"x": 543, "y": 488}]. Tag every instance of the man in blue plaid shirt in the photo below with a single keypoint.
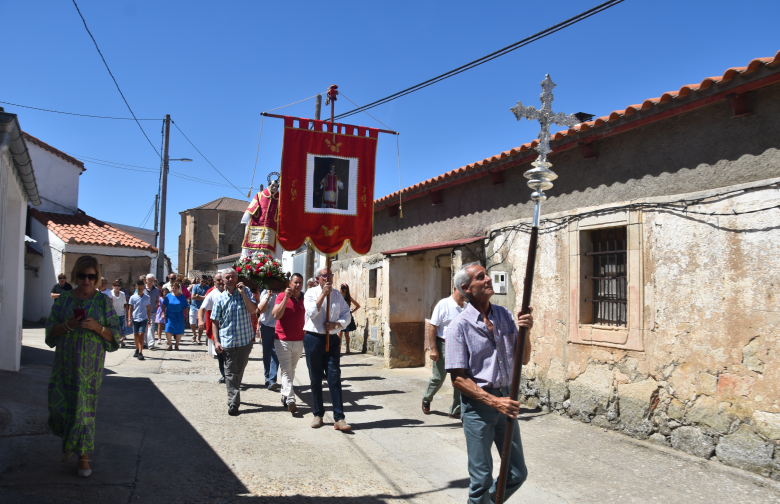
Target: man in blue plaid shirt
[
  {"x": 233, "y": 333},
  {"x": 480, "y": 355}
]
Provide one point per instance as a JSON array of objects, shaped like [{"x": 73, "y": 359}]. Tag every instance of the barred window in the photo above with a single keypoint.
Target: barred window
[{"x": 609, "y": 276}]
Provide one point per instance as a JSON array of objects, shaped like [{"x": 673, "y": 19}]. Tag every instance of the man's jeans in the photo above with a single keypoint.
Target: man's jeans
[
  {"x": 270, "y": 359},
  {"x": 317, "y": 359},
  {"x": 439, "y": 374},
  {"x": 483, "y": 426},
  {"x": 235, "y": 363}
]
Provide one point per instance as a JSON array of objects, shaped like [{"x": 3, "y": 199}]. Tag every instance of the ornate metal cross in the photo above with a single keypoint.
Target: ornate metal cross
[{"x": 540, "y": 177}]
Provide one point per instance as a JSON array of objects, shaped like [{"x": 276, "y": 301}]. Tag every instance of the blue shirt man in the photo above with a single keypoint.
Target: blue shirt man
[
  {"x": 233, "y": 333},
  {"x": 480, "y": 354}
]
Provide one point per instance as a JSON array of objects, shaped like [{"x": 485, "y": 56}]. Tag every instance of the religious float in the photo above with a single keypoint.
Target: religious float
[{"x": 260, "y": 270}]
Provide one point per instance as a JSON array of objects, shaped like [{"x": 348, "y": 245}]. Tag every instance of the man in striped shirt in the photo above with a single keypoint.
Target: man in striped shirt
[
  {"x": 233, "y": 333},
  {"x": 480, "y": 355}
]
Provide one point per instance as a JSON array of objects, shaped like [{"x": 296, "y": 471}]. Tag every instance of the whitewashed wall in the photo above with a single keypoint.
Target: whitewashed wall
[{"x": 58, "y": 181}]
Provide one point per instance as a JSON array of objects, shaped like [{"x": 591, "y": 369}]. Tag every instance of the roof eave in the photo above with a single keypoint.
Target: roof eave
[{"x": 11, "y": 139}]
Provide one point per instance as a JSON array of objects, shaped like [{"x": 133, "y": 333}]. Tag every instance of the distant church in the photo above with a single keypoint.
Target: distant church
[{"x": 210, "y": 231}]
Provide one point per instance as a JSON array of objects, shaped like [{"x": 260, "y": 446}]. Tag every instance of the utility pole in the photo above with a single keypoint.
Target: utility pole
[
  {"x": 156, "y": 234},
  {"x": 161, "y": 249},
  {"x": 309, "y": 248}
]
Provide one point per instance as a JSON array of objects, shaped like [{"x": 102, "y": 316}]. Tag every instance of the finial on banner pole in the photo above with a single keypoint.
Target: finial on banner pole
[
  {"x": 331, "y": 99},
  {"x": 540, "y": 179}
]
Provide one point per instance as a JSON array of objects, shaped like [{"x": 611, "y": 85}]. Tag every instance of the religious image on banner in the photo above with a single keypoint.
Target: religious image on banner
[
  {"x": 328, "y": 189},
  {"x": 262, "y": 220},
  {"x": 329, "y": 186}
]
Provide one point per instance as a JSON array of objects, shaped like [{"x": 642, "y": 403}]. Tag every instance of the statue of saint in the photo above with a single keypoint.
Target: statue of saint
[
  {"x": 330, "y": 188},
  {"x": 262, "y": 221}
]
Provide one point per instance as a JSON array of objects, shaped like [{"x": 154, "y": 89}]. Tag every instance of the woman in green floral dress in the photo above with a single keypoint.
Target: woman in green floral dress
[{"x": 81, "y": 341}]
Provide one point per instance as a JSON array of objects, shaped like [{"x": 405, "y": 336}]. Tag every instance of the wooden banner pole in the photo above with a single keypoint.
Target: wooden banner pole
[{"x": 327, "y": 309}]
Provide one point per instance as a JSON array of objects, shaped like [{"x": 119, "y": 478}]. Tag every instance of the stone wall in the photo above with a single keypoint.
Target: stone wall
[
  {"x": 129, "y": 269},
  {"x": 355, "y": 273},
  {"x": 707, "y": 377}
]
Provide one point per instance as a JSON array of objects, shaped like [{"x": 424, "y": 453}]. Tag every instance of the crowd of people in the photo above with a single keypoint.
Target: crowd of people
[{"x": 471, "y": 339}]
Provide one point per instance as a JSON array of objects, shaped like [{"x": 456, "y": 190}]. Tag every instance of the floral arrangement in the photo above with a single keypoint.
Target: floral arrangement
[{"x": 263, "y": 270}]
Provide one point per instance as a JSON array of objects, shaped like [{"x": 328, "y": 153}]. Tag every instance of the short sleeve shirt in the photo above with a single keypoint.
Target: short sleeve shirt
[
  {"x": 290, "y": 326},
  {"x": 267, "y": 317},
  {"x": 445, "y": 312},
  {"x": 235, "y": 321},
  {"x": 59, "y": 289},
  {"x": 139, "y": 304},
  {"x": 198, "y": 291},
  {"x": 154, "y": 297},
  {"x": 487, "y": 358}
]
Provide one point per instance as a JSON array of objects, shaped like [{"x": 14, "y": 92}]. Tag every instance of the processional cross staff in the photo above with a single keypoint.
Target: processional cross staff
[{"x": 540, "y": 179}]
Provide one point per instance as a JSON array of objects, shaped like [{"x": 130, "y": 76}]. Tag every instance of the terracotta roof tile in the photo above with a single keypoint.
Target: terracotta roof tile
[
  {"x": 43, "y": 145},
  {"x": 649, "y": 103},
  {"x": 81, "y": 229}
]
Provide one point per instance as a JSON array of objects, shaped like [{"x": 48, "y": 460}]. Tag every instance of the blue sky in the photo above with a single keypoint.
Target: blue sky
[{"x": 214, "y": 66}]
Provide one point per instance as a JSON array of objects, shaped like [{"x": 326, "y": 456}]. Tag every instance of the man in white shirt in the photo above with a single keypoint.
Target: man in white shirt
[
  {"x": 445, "y": 312},
  {"x": 119, "y": 301},
  {"x": 204, "y": 321},
  {"x": 317, "y": 359}
]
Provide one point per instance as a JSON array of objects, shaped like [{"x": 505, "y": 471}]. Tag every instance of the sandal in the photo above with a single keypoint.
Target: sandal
[
  {"x": 177, "y": 347},
  {"x": 169, "y": 348}
]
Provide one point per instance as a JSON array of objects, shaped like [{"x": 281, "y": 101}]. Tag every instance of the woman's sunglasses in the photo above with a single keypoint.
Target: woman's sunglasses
[{"x": 92, "y": 277}]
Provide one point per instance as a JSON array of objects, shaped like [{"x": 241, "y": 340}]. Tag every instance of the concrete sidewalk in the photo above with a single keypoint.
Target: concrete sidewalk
[{"x": 163, "y": 435}]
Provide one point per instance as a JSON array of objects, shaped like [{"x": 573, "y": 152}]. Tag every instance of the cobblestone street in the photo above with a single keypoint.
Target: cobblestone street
[{"x": 163, "y": 435}]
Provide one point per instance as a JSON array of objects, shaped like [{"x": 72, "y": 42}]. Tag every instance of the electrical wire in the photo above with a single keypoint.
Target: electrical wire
[
  {"x": 678, "y": 206},
  {"x": 209, "y": 162},
  {"x": 369, "y": 115},
  {"x": 115, "y": 82},
  {"x": 501, "y": 52},
  {"x": 121, "y": 166},
  {"x": 148, "y": 214},
  {"x": 80, "y": 115}
]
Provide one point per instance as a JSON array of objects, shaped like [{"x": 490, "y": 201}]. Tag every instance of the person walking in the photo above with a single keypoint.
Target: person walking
[
  {"x": 204, "y": 321},
  {"x": 233, "y": 333},
  {"x": 351, "y": 327},
  {"x": 196, "y": 299},
  {"x": 138, "y": 315},
  {"x": 119, "y": 301},
  {"x": 268, "y": 338},
  {"x": 159, "y": 318},
  {"x": 319, "y": 360},
  {"x": 61, "y": 286},
  {"x": 82, "y": 326},
  {"x": 480, "y": 347},
  {"x": 445, "y": 312},
  {"x": 153, "y": 292},
  {"x": 169, "y": 285},
  {"x": 104, "y": 287},
  {"x": 290, "y": 316},
  {"x": 174, "y": 307}
]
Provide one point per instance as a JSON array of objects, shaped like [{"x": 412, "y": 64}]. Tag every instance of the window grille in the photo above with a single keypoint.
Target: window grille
[{"x": 610, "y": 276}]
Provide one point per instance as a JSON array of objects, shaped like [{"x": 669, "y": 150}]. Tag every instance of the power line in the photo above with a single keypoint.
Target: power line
[
  {"x": 204, "y": 157},
  {"x": 468, "y": 66},
  {"x": 148, "y": 214},
  {"x": 80, "y": 115},
  {"x": 112, "y": 77},
  {"x": 144, "y": 169}
]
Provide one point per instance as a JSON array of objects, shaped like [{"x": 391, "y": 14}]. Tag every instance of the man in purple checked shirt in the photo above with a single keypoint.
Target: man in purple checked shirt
[{"x": 480, "y": 351}]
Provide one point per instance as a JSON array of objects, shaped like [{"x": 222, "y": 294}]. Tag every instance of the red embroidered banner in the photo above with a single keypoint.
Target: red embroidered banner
[{"x": 327, "y": 188}]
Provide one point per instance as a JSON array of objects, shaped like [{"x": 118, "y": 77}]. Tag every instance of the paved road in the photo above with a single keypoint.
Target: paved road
[{"x": 164, "y": 436}]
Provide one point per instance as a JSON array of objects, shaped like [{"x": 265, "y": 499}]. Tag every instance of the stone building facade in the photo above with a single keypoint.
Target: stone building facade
[
  {"x": 655, "y": 291},
  {"x": 210, "y": 231}
]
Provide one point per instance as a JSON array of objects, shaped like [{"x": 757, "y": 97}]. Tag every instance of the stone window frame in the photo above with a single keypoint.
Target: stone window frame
[{"x": 625, "y": 338}]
